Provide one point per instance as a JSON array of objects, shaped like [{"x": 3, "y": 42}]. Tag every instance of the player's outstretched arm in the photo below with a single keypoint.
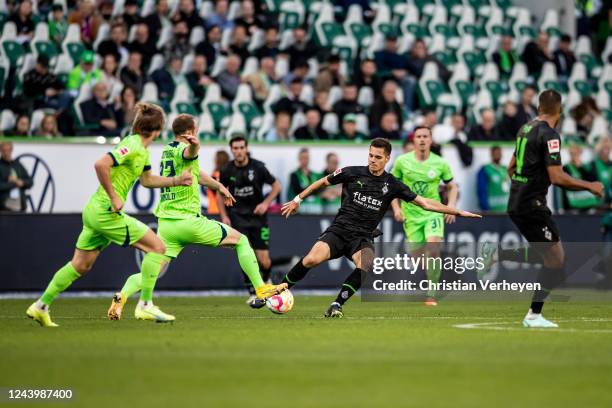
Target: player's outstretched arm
[
  {"x": 150, "y": 180},
  {"x": 432, "y": 205},
  {"x": 560, "y": 178},
  {"x": 206, "y": 180},
  {"x": 192, "y": 151},
  {"x": 103, "y": 166},
  {"x": 292, "y": 206}
]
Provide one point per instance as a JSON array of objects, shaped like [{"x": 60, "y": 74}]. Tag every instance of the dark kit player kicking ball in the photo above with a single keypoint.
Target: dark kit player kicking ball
[
  {"x": 245, "y": 178},
  {"x": 535, "y": 165},
  {"x": 367, "y": 193}
]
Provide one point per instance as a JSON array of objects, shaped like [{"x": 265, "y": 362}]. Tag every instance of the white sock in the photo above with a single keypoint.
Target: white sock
[
  {"x": 142, "y": 303},
  {"x": 531, "y": 315},
  {"x": 41, "y": 305}
]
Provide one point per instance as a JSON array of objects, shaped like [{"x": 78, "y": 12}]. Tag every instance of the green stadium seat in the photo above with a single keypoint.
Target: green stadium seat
[
  {"x": 584, "y": 88},
  {"x": 208, "y": 136},
  {"x": 360, "y": 32},
  {"x": 185, "y": 107},
  {"x": 473, "y": 59},
  {"x": 46, "y": 48},
  {"x": 418, "y": 30},
  {"x": 250, "y": 112},
  {"x": 75, "y": 50},
  {"x": 590, "y": 61},
  {"x": 431, "y": 91},
  {"x": 218, "y": 112},
  {"x": 465, "y": 90},
  {"x": 13, "y": 51},
  {"x": 327, "y": 32},
  {"x": 496, "y": 89}
]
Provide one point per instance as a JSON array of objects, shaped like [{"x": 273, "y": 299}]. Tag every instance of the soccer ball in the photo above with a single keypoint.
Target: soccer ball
[{"x": 281, "y": 303}]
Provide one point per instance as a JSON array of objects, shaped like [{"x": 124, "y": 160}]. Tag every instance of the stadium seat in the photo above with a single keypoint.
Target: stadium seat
[
  {"x": 607, "y": 50},
  {"x": 11, "y": 49},
  {"x": 150, "y": 93},
  {"x": 461, "y": 85},
  {"x": 297, "y": 120},
  {"x": 382, "y": 22},
  {"x": 257, "y": 40},
  {"x": 291, "y": 14},
  {"x": 237, "y": 124},
  {"x": 430, "y": 85},
  {"x": 251, "y": 65},
  {"x": 330, "y": 123},
  {"x": 187, "y": 63},
  {"x": 584, "y": 53},
  {"x": 218, "y": 112},
  {"x": 335, "y": 94},
  {"x": 366, "y": 97},
  {"x": 523, "y": 24},
  {"x": 206, "y": 9},
  {"x": 281, "y": 68},
  {"x": 274, "y": 94},
  {"x": 7, "y": 121},
  {"x": 578, "y": 80},
  {"x": 266, "y": 124},
  {"x": 243, "y": 104},
  {"x": 346, "y": 47},
  {"x": 165, "y": 36},
  {"x": 495, "y": 23},
  {"x": 519, "y": 77},
  {"x": 197, "y": 35},
  {"x": 354, "y": 25},
  {"x": 234, "y": 10},
  {"x": 550, "y": 23},
  {"x": 148, "y": 7},
  {"x": 219, "y": 65},
  {"x": 286, "y": 39},
  {"x": 4, "y": 73},
  {"x": 41, "y": 44},
  {"x": 482, "y": 101},
  {"x": 307, "y": 94},
  {"x": 206, "y": 128},
  {"x": 118, "y": 6},
  {"x": 72, "y": 44},
  {"x": 35, "y": 120},
  {"x": 410, "y": 18},
  {"x": 548, "y": 78},
  {"x": 63, "y": 66},
  {"x": 439, "y": 23},
  {"x": 362, "y": 123}
]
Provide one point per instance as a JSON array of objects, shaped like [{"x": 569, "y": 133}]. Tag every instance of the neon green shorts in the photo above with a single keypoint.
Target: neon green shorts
[
  {"x": 419, "y": 231},
  {"x": 178, "y": 233},
  {"x": 101, "y": 227}
]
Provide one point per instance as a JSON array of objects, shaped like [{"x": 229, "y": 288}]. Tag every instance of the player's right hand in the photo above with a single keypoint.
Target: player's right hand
[
  {"x": 468, "y": 214},
  {"x": 192, "y": 139},
  {"x": 117, "y": 204},
  {"x": 185, "y": 179},
  {"x": 289, "y": 208},
  {"x": 597, "y": 188},
  {"x": 399, "y": 216}
]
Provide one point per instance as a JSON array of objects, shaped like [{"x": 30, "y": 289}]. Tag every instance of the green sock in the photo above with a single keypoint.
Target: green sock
[
  {"x": 60, "y": 282},
  {"x": 151, "y": 266},
  {"x": 433, "y": 274},
  {"x": 132, "y": 285},
  {"x": 248, "y": 261}
]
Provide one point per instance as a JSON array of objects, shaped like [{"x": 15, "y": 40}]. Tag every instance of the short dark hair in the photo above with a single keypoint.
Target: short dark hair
[
  {"x": 333, "y": 59},
  {"x": 566, "y": 38},
  {"x": 182, "y": 124},
  {"x": 422, "y": 127},
  {"x": 381, "y": 143},
  {"x": 238, "y": 138},
  {"x": 549, "y": 102},
  {"x": 495, "y": 147}
]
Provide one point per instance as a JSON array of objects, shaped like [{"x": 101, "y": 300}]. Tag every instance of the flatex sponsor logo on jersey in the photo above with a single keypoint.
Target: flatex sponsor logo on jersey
[
  {"x": 41, "y": 197},
  {"x": 367, "y": 201},
  {"x": 243, "y": 191}
]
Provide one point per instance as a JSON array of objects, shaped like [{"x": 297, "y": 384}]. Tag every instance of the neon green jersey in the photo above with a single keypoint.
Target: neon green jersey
[
  {"x": 180, "y": 201},
  {"x": 423, "y": 178},
  {"x": 130, "y": 160}
]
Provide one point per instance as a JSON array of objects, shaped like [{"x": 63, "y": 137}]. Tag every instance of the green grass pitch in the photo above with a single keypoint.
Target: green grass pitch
[{"x": 220, "y": 353}]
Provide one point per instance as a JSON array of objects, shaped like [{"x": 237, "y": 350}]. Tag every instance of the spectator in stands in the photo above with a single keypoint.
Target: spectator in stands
[
  {"x": 270, "y": 45},
  {"x": 23, "y": 21},
  {"x": 329, "y": 75},
  {"x": 179, "y": 45},
  {"x": 125, "y": 107},
  {"x": 109, "y": 71},
  {"x": 280, "y": 131},
  {"x": 301, "y": 178},
  {"x": 116, "y": 44},
  {"x": 22, "y": 126},
  {"x": 510, "y": 122},
  {"x": 84, "y": 73},
  {"x": 42, "y": 89},
  {"x": 388, "y": 127},
  {"x": 166, "y": 80},
  {"x": 505, "y": 57},
  {"x": 14, "y": 180},
  {"x": 106, "y": 10},
  {"x": 197, "y": 79},
  {"x": 536, "y": 53},
  {"x": 349, "y": 131},
  {"x": 48, "y": 127},
  {"x": 332, "y": 195},
  {"x": 576, "y": 200},
  {"x": 219, "y": 16},
  {"x": 98, "y": 113},
  {"x": 321, "y": 104},
  {"x": 187, "y": 13},
  {"x": 419, "y": 57},
  {"x": 302, "y": 48},
  {"x": 159, "y": 19},
  {"x": 87, "y": 20},
  {"x": 221, "y": 160},
  {"x": 143, "y": 43},
  {"x": 564, "y": 57},
  {"x": 526, "y": 109},
  {"x": 391, "y": 64},
  {"x": 348, "y": 103},
  {"x": 58, "y": 26},
  {"x": 130, "y": 15},
  {"x": 485, "y": 130},
  {"x": 493, "y": 186},
  {"x": 292, "y": 102},
  {"x": 300, "y": 71},
  {"x": 240, "y": 44},
  {"x": 312, "y": 130},
  {"x": 132, "y": 74},
  {"x": 262, "y": 80},
  {"x": 210, "y": 47},
  {"x": 229, "y": 78},
  {"x": 458, "y": 125},
  {"x": 366, "y": 76},
  {"x": 408, "y": 144},
  {"x": 248, "y": 17},
  {"x": 386, "y": 102}
]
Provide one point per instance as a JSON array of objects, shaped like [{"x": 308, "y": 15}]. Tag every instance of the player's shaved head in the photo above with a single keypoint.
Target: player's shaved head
[
  {"x": 183, "y": 124},
  {"x": 549, "y": 103}
]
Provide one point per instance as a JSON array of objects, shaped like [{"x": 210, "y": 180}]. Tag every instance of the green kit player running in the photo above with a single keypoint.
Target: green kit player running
[
  {"x": 422, "y": 170},
  {"x": 180, "y": 220},
  {"x": 104, "y": 222}
]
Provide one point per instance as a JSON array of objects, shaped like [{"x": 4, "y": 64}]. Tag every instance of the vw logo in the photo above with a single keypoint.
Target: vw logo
[{"x": 41, "y": 197}]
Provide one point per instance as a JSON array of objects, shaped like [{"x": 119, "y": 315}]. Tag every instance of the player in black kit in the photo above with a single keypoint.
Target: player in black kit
[
  {"x": 245, "y": 177},
  {"x": 535, "y": 165},
  {"x": 367, "y": 193}
]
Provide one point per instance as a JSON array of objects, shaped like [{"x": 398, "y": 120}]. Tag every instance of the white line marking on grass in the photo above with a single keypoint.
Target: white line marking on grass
[{"x": 516, "y": 326}]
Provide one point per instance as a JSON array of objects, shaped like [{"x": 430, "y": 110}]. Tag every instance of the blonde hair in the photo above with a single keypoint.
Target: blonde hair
[{"x": 149, "y": 118}]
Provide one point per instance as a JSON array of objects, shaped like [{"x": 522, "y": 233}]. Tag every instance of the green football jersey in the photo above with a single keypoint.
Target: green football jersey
[
  {"x": 423, "y": 178},
  {"x": 130, "y": 160},
  {"x": 180, "y": 201}
]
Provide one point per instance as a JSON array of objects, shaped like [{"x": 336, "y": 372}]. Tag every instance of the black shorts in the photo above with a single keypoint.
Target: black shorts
[
  {"x": 345, "y": 244},
  {"x": 259, "y": 237},
  {"x": 536, "y": 225}
]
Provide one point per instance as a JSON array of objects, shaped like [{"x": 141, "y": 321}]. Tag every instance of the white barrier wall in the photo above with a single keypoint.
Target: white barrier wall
[{"x": 64, "y": 176}]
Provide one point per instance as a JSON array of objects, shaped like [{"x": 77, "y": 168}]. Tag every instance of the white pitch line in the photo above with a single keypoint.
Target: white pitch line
[{"x": 489, "y": 326}]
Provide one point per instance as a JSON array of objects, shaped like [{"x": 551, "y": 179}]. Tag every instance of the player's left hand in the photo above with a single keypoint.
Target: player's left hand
[
  {"x": 261, "y": 208},
  {"x": 289, "y": 208},
  {"x": 449, "y": 218},
  {"x": 228, "y": 198},
  {"x": 192, "y": 139},
  {"x": 468, "y": 214},
  {"x": 185, "y": 179}
]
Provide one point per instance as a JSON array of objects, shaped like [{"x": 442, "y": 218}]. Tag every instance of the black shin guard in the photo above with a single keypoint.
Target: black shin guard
[
  {"x": 296, "y": 274},
  {"x": 548, "y": 278},
  {"x": 350, "y": 286}
]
